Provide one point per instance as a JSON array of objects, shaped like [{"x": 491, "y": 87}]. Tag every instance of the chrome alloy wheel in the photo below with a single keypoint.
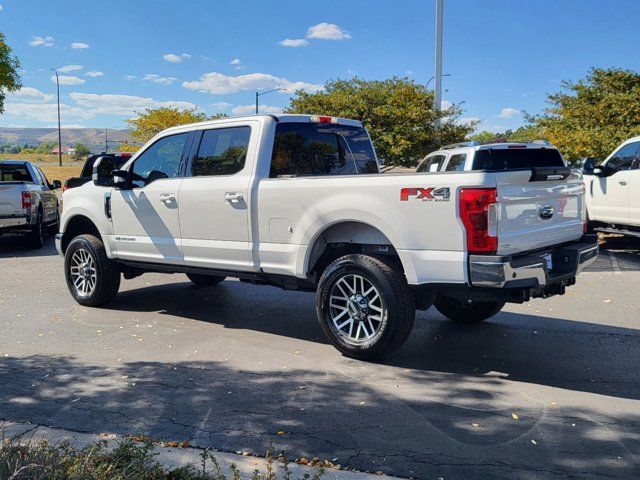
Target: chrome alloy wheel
[
  {"x": 356, "y": 309},
  {"x": 83, "y": 272}
]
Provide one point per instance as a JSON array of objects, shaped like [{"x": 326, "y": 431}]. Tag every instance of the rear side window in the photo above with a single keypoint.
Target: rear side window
[
  {"x": 223, "y": 151},
  {"x": 14, "y": 173},
  {"x": 302, "y": 149},
  {"x": 456, "y": 163},
  {"x": 431, "y": 164},
  {"x": 516, "y": 158}
]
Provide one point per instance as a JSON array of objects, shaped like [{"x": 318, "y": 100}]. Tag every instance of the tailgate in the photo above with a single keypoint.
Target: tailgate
[
  {"x": 11, "y": 199},
  {"x": 538, "y": 208}
]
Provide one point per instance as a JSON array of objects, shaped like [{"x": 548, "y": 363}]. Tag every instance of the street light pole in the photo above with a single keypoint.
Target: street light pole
[
  {"x": 259, "y": 94},
  {"x": 432, "y": 78},
  {"x": 437, "y": 98},
  {"x": 59, "y": 130}
]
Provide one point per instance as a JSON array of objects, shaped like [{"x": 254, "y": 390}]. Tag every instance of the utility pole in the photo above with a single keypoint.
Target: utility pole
[
  {"x": 259, "y": 94},
  {"x": 59, "y": 130},
  {"x": 106, "y": 145},
  {"x": 437, "y": 98}
]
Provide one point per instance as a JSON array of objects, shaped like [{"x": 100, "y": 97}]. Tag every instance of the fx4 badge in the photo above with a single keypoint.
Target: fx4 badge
[{"x": 428, "y": 194}]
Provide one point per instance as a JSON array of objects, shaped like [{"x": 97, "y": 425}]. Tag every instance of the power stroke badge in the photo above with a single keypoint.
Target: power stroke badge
[{"x": 425, "y": 194}]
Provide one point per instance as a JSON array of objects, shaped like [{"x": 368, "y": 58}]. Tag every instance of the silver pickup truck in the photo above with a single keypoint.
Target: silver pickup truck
[{"x": 28, "y": 202}]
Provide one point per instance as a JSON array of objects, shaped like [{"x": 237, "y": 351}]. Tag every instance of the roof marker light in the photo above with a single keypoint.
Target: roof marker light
[{"x": 323, "y": 119}]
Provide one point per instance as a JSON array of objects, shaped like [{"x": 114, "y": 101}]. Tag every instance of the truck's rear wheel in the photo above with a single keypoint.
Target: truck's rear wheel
[
  {"x": 467, "y": 311},
  {"x": 36, "y": 236},
  {"x": 204, "y": 280},
  {"x": 92, "y": 278},
  {"x": 364, "y": 306}
]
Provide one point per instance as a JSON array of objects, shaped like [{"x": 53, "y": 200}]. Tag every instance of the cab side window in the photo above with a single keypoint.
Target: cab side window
[
  {"x": 222, "y": 151},
  {"x": 431, "y": 164},
  {"x": 623, "y": 159},
  {"x": 456, "y": 163},
  {"x": 160, "y": 160}
]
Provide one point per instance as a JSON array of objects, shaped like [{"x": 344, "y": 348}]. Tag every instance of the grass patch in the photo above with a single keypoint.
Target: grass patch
[
  {"x": 128, "y": 460},
  {"x": 49, "y": 164}
]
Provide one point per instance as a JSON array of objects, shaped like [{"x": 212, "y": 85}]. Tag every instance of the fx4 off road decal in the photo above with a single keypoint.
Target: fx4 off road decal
[{"x": 428, "y": 194}]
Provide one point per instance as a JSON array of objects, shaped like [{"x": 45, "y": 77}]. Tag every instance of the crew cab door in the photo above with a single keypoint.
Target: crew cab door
[
  {"x": 47, "y": 196},
  {"x": 146, "y": 222},
  {"x": 611, "y": 192},
  {"x": 214, "y": 198}
]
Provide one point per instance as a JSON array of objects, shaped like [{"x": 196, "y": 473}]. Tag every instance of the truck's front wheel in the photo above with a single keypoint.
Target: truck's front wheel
[
  {"x": 364, "y": 306},
  {"x": 93, "y": 279},
  {"x": 467, "y": 311}
]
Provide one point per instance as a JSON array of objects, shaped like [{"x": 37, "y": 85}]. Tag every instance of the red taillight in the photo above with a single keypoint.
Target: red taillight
[
  {"x": 322, "y": 119},
  {"x": 474, "y": 212},
  {"x": 26, "y": 200}
]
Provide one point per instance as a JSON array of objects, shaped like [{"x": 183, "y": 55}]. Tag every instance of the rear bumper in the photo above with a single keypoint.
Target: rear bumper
[
  {"x": 12, "y": 222},
  {"x": 530, "y": 270}
]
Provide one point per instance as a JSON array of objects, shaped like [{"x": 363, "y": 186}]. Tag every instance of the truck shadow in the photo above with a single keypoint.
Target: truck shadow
[
  {"x": 554, "y": 352},
  {"x": 12, "y": 246},
  {"x": 617, "y": 253},
  {"x": 367, "y": 425}
]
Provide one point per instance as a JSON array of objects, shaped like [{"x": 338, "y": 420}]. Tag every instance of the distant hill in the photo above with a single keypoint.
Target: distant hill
[{"x": 94, "y": 138}]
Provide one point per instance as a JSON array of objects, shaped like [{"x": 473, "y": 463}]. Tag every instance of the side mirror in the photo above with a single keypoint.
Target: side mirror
[
  {"x": 599, "y": 172},
  {"x": 56, "y": 184},
  {"x": 588, "y": 165},
  {"x": 98, "y": 176},
  {"x": 121, "y": 179}
]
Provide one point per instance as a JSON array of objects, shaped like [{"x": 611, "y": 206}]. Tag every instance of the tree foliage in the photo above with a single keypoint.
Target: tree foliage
[
  {"x": 397, "y": 112},
  {"x": 81, "y": 151},
  {"x": 153, "y": 120},
  {"x": 592, "y": 116},
  {"x": 9, "y": 66},
  {"x": 521, "y": 134}
]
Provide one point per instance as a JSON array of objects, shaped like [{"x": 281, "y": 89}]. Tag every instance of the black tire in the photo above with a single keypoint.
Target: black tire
[
  {"x": 396, "y": 307},
  {"x": 468, "y": 312},
  {"x": 205, "y": 280},
  {"x": 107, "y": 272},
  {"x": 36, "y": 236}
]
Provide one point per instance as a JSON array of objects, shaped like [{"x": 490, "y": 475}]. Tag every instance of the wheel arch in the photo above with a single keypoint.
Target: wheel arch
[{"x": 78, "y": 225}]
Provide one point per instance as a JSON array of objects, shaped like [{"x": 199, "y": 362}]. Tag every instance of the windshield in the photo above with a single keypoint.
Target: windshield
[
  {"x": 321, "y": 149},
  {"x": 516, "y": 158}
]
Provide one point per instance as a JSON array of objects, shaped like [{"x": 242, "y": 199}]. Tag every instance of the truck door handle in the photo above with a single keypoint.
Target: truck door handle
[
  {"x": 233, "y": 197},
  {"x": 622, "y": 182},
  {"x": 167, "y": 197}
]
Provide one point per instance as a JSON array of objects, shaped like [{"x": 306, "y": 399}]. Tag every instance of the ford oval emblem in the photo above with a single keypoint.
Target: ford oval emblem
[{"x": 545, "y": 212}]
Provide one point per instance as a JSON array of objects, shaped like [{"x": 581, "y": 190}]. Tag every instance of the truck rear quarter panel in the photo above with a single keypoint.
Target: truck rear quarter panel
[{"x": 417, "y": 213}]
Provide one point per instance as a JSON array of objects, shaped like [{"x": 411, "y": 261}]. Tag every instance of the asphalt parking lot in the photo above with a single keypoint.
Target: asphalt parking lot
[{"x": 546, "y": 389}]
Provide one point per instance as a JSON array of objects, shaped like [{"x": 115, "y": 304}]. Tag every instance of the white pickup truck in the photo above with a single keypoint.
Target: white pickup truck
[
  {"x": 296, "y": 201},
  {"x": 28, "y": 203},
  {"x": 613, "y": 190}
]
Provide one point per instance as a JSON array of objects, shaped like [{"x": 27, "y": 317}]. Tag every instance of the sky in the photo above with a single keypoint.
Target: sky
[{"x": 117, "y": 58}]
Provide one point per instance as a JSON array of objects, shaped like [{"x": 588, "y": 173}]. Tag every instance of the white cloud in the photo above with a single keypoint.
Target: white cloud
[
  {"x": 508, "y": 112},
  {"x": 235, "y": 61},
  {"x": 30, "y": 94},
  {"x": 173, "y": 58},
  {"x": 220, "y": 106},
  {"x": 446, "y": 105},
  {"x": 113, "y": 104},
  {"x": 129, "y": 77},
  {"x": 69, "y": 68},
  {"x": 251, "y": 109},
  {"x": 155, "y": 78},
  {"x": 47, "y": 112},
  {"x": 79, "y": 45},
  {"x": 94, "y": 73},
  {"x": 72, "y": 125},
  {"x": 327, "y": 31},
  {"x": 68, "y": 80},
  {"x": 38, "y": 41},
  {"x": 467, "y": 120},
  {"x": 294, "y": 42},
  {"x": 1, "y": 7},
  {"x": 219, "y": 83}
]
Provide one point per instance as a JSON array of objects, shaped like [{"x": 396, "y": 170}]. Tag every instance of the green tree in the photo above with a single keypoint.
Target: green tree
[
  {"x": 153, "y": 120},
  {"x": 9, "y": 66},
  {"x": 398, "y": 113},
  {"x": 81, "y": 151},
  {"x": 592, "y": 116}
]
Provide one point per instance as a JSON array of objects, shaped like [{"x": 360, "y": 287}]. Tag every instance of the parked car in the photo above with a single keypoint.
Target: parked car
[
  {"x": 613, "y": 190},
  {"x": 296, "y": 201},
  {"x": 28, "y": 203},
  {"x": 466, "y": 156},
  {"x": 112, "y": 161}
]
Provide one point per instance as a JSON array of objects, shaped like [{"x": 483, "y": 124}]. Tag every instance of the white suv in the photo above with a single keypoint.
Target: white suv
[{"x": 492, "y": 156}]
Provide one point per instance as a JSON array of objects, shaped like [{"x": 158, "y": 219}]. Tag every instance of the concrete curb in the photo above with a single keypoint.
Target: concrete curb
[{"x": 171, "y": 457}]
